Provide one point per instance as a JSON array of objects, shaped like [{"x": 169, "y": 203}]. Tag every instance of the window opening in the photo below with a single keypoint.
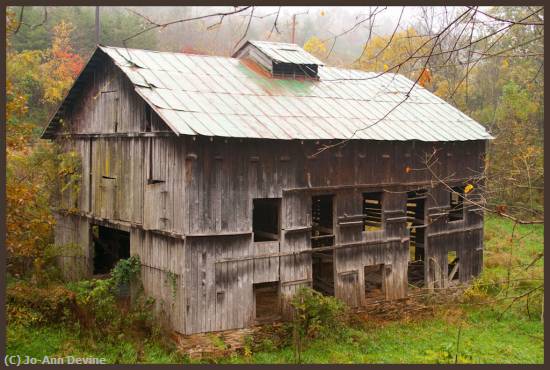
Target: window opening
[
  {"x": 267, "y": 303},
  {"x": 452, "y": 260},
  {"x": 322, "y": 230},
  {"x": 148, "y": 118},
  {"x": 265, "y": 219},
  {"x": 375, "y": 286},
  {"x": 322, "y": 235},
  {"x": 293, "y": 70},
  {"x": 150, "y": 179},
  {"x": 372, "y": 211},
  {"x": 457, "y": 204},
  {"x": 416, "y": 223}
]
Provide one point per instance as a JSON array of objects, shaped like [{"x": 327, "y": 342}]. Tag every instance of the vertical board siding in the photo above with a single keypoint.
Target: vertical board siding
[
  {"x": 218, "y": 294},
  {"x": 162, "y": 273},
  {"x": 72, "y": 234}
]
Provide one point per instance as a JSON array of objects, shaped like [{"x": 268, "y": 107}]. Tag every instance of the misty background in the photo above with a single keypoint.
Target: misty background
[{"x": 348, "y": 28}]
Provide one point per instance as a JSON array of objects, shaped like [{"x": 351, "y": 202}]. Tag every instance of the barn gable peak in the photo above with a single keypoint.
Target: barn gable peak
[{"x": 281, "y": 59}]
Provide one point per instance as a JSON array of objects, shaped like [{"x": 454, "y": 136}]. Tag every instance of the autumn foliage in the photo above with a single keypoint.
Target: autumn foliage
[{"x": 36, "y": 81}]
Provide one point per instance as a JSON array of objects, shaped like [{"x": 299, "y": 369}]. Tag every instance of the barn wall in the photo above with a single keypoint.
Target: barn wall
[
  {"x": 218, "y": 294},
  {"x": 223, "y": 177},
  {"x": 108, "y": 127},
  {"x": 73, "y": 236},
  {"x": 162, "y": 273},
  {"x": 463, "y": 236}
]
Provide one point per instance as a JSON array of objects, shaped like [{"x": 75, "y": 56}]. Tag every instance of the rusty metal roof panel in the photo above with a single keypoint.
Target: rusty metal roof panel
[{"x": 216, "y": 96}]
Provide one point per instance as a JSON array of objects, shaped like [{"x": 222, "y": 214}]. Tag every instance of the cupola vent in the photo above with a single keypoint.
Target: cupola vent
[{"x": 281, "y": 59}]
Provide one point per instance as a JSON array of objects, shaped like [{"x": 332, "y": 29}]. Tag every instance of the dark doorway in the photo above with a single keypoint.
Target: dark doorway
[
  {"x": 266, "y": 296},
  {"x": 322, "y": 235},
  {"x": 375, "y": 287},
  {"x": 110, "y": 246},
  {"x": 416, "y": 223}
]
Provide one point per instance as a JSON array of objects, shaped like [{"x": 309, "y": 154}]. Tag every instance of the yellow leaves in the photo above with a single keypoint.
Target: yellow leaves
[
  {"x": 62, "y": 36},
  {"x": 468, "y": 188},
  {"x": 381, "y": 52},
  {"x": 61, "y": 65},
  {"x": 386, "y": 67},
  {"x": 315, "y": 46},
  {"x": 425, "y": 77},
  {"x": 504, "y": 63}
]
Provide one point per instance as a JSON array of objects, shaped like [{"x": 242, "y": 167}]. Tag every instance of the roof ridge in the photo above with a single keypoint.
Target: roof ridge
[{"x": 169, "y": 52}]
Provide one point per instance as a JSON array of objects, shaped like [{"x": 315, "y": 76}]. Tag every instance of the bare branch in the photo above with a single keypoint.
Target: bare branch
[
  {"x": 477, "y": 204},
  {"x": 522, "y": 23},
  {"x": 392, "y": 35},
  {"x": 275, "y": 24},
  {"x": 246, "y": 30},
  {"x": 155, "y": 25},
  {"x": 357, "y": 24},
  {"x": 20, "y": 22}
]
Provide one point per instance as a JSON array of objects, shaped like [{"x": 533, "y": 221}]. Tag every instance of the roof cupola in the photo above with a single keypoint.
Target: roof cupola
[{"x": 281, "y": 59}]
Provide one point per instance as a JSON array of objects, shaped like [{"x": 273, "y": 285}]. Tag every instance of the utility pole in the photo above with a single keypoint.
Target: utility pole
[
  {"x": 293, "y": 27},
  {"x": 97, "y": 25},
  {"x": 293, "y": 33}
]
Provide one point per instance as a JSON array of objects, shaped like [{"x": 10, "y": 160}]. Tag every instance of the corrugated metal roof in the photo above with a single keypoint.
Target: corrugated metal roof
[{"x": 215, "y": 96}]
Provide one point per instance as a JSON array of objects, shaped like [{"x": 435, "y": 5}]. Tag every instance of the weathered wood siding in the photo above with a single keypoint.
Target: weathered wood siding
[
  {"x": 109, "y": 104},
  {"x": 218, "y": 295},
  {"x": 162, "y": 273},
  {"x": 222, "y": 178},
  {"x": 73, "y": 237}
]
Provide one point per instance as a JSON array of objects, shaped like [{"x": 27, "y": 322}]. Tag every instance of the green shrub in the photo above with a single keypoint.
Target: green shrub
[
  {"x": 28, "y": 304},
  {"x": 97, "y": 304},
  {"x": 316, "y": 315},
  {"x": 126, "y": 271}
]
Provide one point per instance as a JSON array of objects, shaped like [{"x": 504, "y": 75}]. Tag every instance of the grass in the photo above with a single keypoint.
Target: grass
[
  {"x": 515, "y": 338},
  {"x": 59, "y": 341},
  {"x": 483, "y": 340}
]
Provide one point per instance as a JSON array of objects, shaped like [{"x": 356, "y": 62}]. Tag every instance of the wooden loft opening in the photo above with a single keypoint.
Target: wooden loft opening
[
  {"x": 322, "y": 230},
  {"x": 452, "y": 260},
  {"x": 416, "y": 224},
  {"x": 267, "y": 301},
  {"x": 322, "y": 235},
  {"x": 372, "y": 211},
  {"x": 110, "y": 245},
  {"x": 375, "y": 286},
  {"x": 456, "y": 212},
  {"x": 265, "y": 219}
]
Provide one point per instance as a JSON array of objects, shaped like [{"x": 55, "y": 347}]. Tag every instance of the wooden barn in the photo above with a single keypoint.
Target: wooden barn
[{"x": 211, "y": 170}]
